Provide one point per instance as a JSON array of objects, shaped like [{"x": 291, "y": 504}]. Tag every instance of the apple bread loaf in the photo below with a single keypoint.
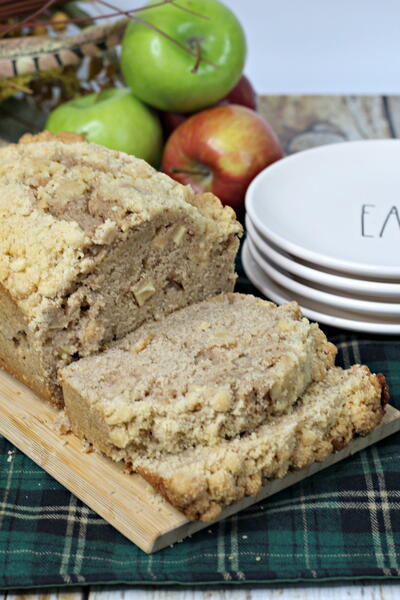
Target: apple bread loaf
[
  {"x": 93, "y": 243},
  {"x": 210, "y": 371},
  {"x": 202, "y": 481}
]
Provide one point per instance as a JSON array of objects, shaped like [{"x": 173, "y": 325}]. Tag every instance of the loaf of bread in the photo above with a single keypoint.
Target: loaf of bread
[
  {"x": 114, "y": 282},
  {"x": 93, "y": 243},
  {"x": 209, "y": 371},
  {"x": 201, "y": 482}
]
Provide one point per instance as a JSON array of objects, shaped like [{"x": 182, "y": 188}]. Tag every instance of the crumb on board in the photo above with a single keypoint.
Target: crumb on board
[
  {"x": 61, "y": 424},
  {"x": 87, "y": 447}
]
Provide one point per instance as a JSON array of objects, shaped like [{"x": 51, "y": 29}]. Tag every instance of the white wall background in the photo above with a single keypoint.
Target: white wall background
[{"x": 320, "y": 46}]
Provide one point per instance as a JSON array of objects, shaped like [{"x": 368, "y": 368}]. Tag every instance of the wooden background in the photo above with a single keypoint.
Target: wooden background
[{"x": 300, "y": 122}]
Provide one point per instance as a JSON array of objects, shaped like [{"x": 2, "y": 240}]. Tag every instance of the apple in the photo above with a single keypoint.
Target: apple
[
  {"x": 220, "y": 150},
  {"x": 168, "y": 77},
  {"x": 113, "y": 118},
  {"x": 171, "y": 120},
  {"x": 243, "y": 93}
]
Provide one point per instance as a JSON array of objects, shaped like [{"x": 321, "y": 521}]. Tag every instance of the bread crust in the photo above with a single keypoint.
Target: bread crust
[
  {"x": 32, "y": 383},
  {"x": 66, "y": 137},
  {"x": 16, "y": 356},
  {"x": 385, "y": 394}
]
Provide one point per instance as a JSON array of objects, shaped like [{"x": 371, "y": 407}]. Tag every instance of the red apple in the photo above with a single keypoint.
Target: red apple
[
  {"x": 221, "y": 150},
  {"x": 171, "y": 120},
  {"x": 243, "y": 93}
]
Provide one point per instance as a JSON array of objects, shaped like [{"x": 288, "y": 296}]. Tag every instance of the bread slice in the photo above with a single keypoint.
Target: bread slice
[
  {"x": 210, "y": 371},
  {"x": 202, "y": 481},
  {"x": 93, "y": 243}
]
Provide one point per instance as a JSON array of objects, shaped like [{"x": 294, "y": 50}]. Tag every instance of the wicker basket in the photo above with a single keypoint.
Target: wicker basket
[{"x": 25, "y": 58}]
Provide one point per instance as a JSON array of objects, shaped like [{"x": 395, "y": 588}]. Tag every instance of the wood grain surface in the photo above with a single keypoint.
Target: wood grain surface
[{"x": 301, "y": 122}]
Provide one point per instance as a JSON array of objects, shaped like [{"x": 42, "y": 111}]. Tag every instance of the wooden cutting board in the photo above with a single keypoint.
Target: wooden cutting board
[{"x": 126, "y": 501}]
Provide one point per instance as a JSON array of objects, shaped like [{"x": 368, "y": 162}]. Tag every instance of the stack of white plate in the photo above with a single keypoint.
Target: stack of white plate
[{"x": 323, "y": 228}]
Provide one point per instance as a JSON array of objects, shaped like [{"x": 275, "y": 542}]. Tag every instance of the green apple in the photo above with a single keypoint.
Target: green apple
[
  {"x": 165, "y": 75},
  {"x": 113, "y": 118}
]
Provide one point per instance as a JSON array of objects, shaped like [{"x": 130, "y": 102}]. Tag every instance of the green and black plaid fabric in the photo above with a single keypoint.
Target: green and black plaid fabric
[{"x": 343, "y": 523}]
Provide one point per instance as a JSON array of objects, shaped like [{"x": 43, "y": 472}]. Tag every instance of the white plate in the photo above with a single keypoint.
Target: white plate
[
  {"x": 376, "y": 289},
  {"x": 337, "y": 206},
  {"x": 334, "y": 301},
  {"x": 340, "y": 319}
]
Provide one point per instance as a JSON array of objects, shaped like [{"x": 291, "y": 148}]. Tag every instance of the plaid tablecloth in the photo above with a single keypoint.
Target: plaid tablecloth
[{"x": 343, "y": 523}]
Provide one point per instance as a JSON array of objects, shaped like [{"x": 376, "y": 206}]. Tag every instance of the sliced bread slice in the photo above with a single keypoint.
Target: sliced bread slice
[
  {"x": 202, "y": 481},
  {"x": 207, "y": 372}
]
